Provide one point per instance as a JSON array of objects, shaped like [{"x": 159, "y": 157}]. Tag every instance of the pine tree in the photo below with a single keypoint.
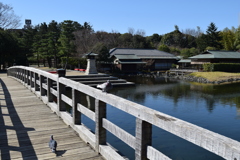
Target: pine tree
[
  {"x": 213, "y": 37},
  {"x": 67, "y": 46}
]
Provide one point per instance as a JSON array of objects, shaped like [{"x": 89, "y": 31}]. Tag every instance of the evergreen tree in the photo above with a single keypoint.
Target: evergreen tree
[
  {"x": 175, "y": 39},
  {"x": 9, "y": 50},
  {"x": 67, "y": 46},
  {"x": 53, "y": 43},
  {"x": 26, "y": 42},
  {"x": 213, "y": 36},
  {"x": 237, "y": 39},
  {"x": 228, "y": 39},
  {"x": 164, "y": 48},
  {"x": 202, "y": 42}
]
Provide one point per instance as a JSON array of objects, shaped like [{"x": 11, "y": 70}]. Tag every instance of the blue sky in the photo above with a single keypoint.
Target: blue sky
[{"x": 151, "y": 16}]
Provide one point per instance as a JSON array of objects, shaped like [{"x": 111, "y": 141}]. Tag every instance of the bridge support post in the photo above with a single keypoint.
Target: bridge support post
[
  {"x": 22, "y": 76},
  {"x": 61, "y": 90},
  {"x": 49, "y": 86},
  {"x": 36, "y": 86},
  {"x": 143, "y": 139},
  {"x": 28, "y": 80},
  {"x": 25, "y": 77},
  {"x": 100, "y": 132},
  {"x": 31, "y": 81},
  {"x": 42, "y": 91},
  {"x": 76, "y": 116},
  {"x": 18, "y": 74}
]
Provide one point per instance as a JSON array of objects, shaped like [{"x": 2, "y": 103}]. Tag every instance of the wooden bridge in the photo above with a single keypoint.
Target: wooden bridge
[
  {"x": 26, "y": 125},
  {"x": 41, "y": 84}
]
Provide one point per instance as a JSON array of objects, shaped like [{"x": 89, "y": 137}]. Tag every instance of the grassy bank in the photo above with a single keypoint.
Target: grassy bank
[{"x": 216, "y": 76}]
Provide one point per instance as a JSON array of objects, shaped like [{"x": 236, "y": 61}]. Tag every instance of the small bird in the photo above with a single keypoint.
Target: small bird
[
  {"x": 105, "y": 86},
  {"x": 52, "y": 144}
]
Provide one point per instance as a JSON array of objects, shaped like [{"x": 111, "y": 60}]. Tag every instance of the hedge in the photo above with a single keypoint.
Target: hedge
[{"x": 224, "y": 67}]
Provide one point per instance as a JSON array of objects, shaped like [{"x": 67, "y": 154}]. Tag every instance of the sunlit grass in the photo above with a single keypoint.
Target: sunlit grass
[{"x": 216, "y": 76}]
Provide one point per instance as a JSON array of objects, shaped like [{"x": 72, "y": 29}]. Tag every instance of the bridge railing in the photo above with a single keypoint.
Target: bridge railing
[{"x": 52, "y": 90}]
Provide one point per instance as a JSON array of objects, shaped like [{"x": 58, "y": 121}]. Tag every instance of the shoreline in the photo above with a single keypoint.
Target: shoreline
[{"x": 206, "y": 81}]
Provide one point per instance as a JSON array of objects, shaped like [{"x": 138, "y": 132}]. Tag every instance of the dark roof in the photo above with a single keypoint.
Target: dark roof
[
  {"x": 217, "y": 55},
  {"x": 185, "y": 61},
  {"x": 126, "y": 56},
  {"x": 128, "y": 59},
  {"x": 143, "y": 53}
]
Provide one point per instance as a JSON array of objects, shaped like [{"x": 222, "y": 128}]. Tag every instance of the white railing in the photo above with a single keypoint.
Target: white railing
[{"x": 41, "y": 83}]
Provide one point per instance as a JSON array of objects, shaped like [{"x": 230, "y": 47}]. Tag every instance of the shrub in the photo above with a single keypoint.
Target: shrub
[{"x": 224, "y": 67}]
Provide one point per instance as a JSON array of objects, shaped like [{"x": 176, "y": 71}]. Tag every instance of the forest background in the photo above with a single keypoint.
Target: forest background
[{"x": 70, "y": 40}]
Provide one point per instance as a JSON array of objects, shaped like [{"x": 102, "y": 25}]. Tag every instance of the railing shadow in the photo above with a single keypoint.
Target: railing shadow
[{"x": 23, "y": 143}]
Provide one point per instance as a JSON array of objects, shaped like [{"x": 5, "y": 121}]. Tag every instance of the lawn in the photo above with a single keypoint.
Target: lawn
[{"x": 216, "y": 76}]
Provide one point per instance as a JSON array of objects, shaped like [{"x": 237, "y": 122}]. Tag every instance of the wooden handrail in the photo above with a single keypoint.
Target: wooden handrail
[{"x": 41, "y": 83}]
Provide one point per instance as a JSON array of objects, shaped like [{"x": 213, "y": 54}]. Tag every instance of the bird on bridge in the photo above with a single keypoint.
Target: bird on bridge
[
  {"x": 52, "y": 144},
  {"x": 105, "y": 86}
]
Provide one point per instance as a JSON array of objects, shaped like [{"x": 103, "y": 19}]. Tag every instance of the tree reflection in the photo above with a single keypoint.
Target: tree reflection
[{"x": 178, "y": 91}]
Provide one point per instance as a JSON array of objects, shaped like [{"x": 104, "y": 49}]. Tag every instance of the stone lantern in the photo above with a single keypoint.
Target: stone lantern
[{"x": 91, "y": 63}]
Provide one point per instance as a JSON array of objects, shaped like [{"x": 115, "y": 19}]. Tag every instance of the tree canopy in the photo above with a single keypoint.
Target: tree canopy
[{"x": 49, "y": 43}]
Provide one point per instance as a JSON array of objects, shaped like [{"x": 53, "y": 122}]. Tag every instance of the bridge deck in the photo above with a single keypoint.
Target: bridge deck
[{"x": 26, "y": 125}]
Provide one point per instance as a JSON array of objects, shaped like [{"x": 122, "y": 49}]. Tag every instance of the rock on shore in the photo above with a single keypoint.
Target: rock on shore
[{"x": 204, "y": 80}]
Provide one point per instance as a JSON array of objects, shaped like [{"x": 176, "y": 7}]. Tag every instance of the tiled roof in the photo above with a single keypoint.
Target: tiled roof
[
  {"x": 185, "y": 61},
  {"x": 143, "y": 53},
  {"x": 217, "y": 54},
  {"x": 126, "y": 56}
]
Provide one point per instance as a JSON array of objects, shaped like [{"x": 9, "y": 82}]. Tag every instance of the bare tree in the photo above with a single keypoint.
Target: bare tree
[
  {"x": 193, "y": 32},
  {"x": 84, "y": 40},
  {"x": 8, "y": 20},
  {"x": 131, "y": 30},
  {"x": 139, "y": 32}
]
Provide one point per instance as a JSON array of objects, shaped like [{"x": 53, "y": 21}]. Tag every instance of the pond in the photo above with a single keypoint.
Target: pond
[{"x": 213, "y": 107}]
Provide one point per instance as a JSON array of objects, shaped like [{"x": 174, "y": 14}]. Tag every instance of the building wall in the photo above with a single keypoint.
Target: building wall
[
  {"x": 162, "y": 64},
  {"x": 129, "y": 67}
]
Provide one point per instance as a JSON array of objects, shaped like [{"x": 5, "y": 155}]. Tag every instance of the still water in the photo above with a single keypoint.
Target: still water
[{"x": 213, "y": 107}]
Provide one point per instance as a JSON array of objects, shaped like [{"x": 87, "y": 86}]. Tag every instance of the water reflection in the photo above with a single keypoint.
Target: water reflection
[
  {"x": 214, "y": 107},
  {"x": 228, "y": 94}
]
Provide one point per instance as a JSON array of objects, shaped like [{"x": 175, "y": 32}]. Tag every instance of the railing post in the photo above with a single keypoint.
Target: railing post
[
  {"x": 22, "y": 74},
  {"x": 31, "y": 79},
  {"x": 49, "y": 86},
  {"x": 143, "y": 139},
  {"x": 76, "y": 115},
  {"x": 90, "y": 102},
  {"x": 61, "y": 90},
  {"x": 17, "y": 73},
  {"x": 25, "y": 77},
  {"x": 42, "y": 91},
  {"x": 100, "y": 132},
  {"x": 36, "y": 86},
  {"x": 28, "y": 75}
]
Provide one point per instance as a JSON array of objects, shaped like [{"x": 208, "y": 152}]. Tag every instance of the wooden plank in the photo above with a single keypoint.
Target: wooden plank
[
  {"x": 87, "y": 112},
  {"x": 66, "y": 100},
  {"x": 54, "y": 92},
  {"x": 26, "y": 126},
  {"x": 120, "y": 133},
  {"x": 152, "y": 153}
]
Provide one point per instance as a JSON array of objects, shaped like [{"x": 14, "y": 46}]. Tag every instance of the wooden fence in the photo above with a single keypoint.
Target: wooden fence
[{"x": 42, "y": 84}]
